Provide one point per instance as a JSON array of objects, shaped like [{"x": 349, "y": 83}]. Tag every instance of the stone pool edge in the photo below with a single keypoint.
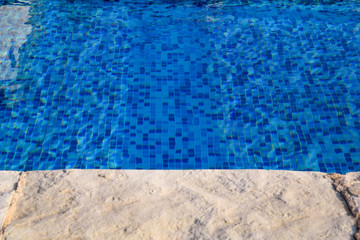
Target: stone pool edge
[
  {"x": 348, "y": 186},
  {"x": 345, "y": 187}
]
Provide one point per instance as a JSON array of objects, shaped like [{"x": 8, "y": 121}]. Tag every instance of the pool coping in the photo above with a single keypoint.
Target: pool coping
[{"x": 20, "y": 191}]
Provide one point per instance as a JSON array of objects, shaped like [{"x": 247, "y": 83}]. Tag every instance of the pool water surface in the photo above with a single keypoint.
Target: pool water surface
[{"x": 186, "y": 84}]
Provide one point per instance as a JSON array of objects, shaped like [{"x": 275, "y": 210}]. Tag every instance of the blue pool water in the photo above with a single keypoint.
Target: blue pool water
[{"x": 163, "y": 84}]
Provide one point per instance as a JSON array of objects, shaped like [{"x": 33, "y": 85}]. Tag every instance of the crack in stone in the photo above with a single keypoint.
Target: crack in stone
[
  {"x": 18, "y": 193},
  {"x": 341, "y": 187}
]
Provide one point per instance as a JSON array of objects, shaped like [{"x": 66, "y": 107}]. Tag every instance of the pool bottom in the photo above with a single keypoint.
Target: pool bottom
[{"x": 158, "y": 85}]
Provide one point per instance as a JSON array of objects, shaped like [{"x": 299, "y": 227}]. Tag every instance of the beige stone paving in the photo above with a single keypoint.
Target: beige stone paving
[
  {"x": 199, "y": 204},
  {"x": 8, "y": 180}
]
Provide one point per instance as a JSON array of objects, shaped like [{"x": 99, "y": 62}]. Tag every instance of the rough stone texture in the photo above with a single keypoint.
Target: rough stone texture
[
  {"x": 206, "y": 204},
  {"x": 349, "y": 187},
  {"x": 8, "y": 181}
]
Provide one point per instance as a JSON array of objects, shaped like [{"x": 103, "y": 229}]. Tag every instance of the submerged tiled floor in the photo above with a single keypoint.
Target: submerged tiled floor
[{"x": 178, "y": 85}]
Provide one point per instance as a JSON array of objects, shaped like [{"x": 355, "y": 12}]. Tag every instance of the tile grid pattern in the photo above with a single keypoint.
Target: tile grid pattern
[{"x": 182, "y": 86}]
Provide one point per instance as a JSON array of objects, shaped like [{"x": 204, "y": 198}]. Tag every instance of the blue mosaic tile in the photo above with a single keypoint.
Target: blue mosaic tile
[{"x": 180, "y": 85}]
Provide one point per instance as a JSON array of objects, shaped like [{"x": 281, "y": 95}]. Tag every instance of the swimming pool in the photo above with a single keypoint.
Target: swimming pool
[{"x": 186, "y": 84}]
